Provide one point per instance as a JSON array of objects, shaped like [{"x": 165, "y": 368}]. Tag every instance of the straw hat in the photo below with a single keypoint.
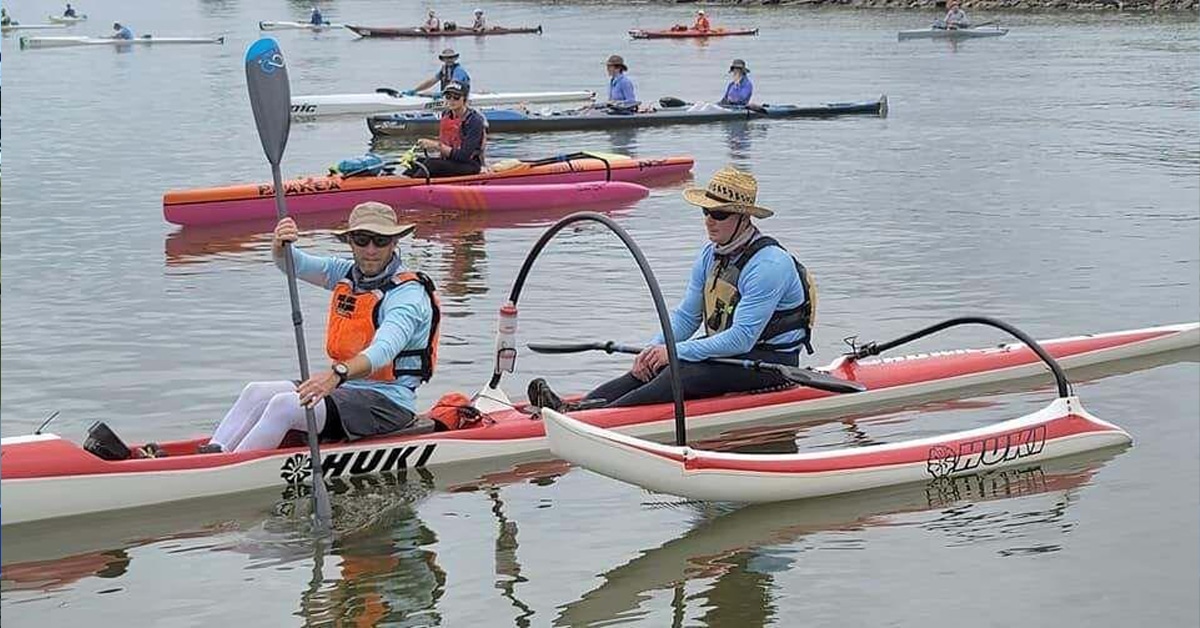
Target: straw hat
[
  {"x": 374, "y": 217},
  {"x": 729, "y": 190}
]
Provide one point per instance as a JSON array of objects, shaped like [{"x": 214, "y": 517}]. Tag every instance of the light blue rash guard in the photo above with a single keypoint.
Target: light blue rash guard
[
  {"x": 620, "y": 90},
  {"x": 404, "y": 320},
  {"x": 739, "y": 92},
  {"x": 456, "y": 75},
  {"x": 769, "y": 282},
  {"x": 124, "y": 33}
]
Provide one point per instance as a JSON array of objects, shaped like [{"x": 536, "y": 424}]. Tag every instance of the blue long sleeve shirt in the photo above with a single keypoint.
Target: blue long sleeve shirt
[
  {"x": 404, "y": 320},
  {"x": 620, "y": 90},
  {"x": 473, "y": 130},
  {"x": 768, "y": 282},
  {"x": 455, "y": 74},
  {"x": 739, "y": 92}
]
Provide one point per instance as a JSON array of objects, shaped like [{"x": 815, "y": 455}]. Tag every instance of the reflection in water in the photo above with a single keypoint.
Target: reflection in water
[
  {"x": 740, "y": 148},
  {"x": 731, "y": 545}
]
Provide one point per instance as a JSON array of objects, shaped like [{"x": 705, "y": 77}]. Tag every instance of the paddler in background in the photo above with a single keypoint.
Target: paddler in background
[
  {"x": 955, "y": 17},
  {"x": 315, "y": 18},
  {"x": 479, "y": 24},
  {"x": 701, "y": 22},
  {"x": 432, "y": 23},
  {"x": 121, "y": 32},
  {"x": 749, "y": 296},
  {"x": 5, "y": 18},
  {"x": 450, "y": 72},
  {"x": 381, "y": 341},
  {"x": 621, "y": 93},
  {"x": 462, "y": 136},
  {"x": 740, "y": 89},
  {"x": 69, "y": 11}
]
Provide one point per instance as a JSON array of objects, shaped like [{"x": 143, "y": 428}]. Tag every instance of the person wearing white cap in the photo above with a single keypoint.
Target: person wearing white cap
[
  {"x": 701, "y": 22},
  {"x": 747, "y": 298},
  {"x": 381, "y": 341},
  {"x": 479, "y": 24}
]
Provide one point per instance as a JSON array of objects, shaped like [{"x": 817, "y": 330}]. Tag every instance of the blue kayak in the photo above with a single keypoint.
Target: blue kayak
[{"x": 517, "y": 121}]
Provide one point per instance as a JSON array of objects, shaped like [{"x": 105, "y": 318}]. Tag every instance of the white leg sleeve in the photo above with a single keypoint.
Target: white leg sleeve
[
  {"x": 283, "y": 413},
  {"x": 246, "y": 411}
]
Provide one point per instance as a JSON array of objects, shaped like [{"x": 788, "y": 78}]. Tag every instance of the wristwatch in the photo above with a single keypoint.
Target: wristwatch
[{"x": 342, "y": 371}]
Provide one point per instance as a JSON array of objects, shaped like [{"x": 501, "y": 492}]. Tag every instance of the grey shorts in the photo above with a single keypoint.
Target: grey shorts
[{"x": 353, "y": 413}]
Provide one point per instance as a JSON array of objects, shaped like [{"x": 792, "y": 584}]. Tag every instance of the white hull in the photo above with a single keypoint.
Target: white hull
[
  {"x": 67, "y": 20},
  {"x": 65, "y": 42},
  {"x": 733, "y": 477},
  {"x": 376, "y": 102},
  {"x": 298, "y": 26},
  {"x": 30, "y": 27},
  {"x": 40, "y": 498}
]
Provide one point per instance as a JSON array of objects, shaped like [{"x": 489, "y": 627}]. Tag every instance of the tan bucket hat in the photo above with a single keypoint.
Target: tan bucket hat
[
  {"x": 618, "y": 61},
  {"x": 374, "y": 217},
  {"x": 729, "y": 190}
]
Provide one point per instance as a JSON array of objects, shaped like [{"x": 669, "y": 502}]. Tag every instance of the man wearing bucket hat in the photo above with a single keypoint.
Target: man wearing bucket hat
[
  {"x": 740, "y": 89},
  {"x": 462, "y": 136},
  {"x": 747, "y": 298},
  {"x": 450, "y": 72},
  {"x": 621, "y": 94},
  {"x": 381, "y": 342}
]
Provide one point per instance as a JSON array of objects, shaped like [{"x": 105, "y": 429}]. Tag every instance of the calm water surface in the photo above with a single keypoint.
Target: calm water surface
[{"x": 1048, "y": 178}]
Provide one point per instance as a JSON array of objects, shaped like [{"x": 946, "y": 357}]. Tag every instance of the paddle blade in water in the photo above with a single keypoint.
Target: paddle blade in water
[{"x": 270, "y": 96}]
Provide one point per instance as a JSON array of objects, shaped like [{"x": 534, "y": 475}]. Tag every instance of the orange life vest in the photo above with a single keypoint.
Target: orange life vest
[
  {"x": 701, "y": 23},
  {"x": 450, "y": 131},
  {"x": 353, "y": 320}
]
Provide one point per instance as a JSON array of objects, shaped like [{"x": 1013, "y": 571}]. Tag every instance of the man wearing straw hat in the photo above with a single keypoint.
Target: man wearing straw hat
[
  {"x": 747, "y": 295},
  {"x": 381, "y": 341}
]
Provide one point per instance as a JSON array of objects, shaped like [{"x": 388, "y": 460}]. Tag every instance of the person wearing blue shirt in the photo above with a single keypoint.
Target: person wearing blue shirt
[
  {"x": 121, "y": 32},
  {"x": 621, "y": 93},
  {"x": 747, "y": 298},
  {"x": 315, "y": 18},
  {"x": 740, "y": 89},
  {"x": 450, "y": 72},
  {"x": 381, "y": 342},
  {"x": 70, "y": 11}
]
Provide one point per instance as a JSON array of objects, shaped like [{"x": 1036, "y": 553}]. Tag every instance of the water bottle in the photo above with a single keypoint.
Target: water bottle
[{"x": 506, "y": 338}]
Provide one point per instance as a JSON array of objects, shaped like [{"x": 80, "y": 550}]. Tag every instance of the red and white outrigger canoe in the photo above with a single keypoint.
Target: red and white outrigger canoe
[
  {"x": 1061, "y": 429},
  {"x": 45, "y": 476}
]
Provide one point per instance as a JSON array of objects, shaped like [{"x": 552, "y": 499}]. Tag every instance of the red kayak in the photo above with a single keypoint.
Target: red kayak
[
  {"x": 416, "y": 31},
  {"x": 689, "y": 33},
  {"x": 47, "y": 476}
]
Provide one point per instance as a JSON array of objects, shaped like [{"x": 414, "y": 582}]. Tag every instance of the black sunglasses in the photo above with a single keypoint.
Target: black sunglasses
[
  {"x": 361, "y": 239},
  {"x": 452, "y": 96},
  {"x": 717, "y": 214}
]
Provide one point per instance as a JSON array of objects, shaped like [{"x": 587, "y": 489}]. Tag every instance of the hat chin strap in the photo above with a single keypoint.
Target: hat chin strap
[{"x": 740, "y": 237}]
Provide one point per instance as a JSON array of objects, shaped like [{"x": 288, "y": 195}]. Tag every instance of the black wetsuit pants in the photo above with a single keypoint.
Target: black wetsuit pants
[{"x": 699, "y": 380}]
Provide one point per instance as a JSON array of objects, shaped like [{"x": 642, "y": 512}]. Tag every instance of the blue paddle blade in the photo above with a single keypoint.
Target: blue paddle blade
[{"x": 270, "y": 96}]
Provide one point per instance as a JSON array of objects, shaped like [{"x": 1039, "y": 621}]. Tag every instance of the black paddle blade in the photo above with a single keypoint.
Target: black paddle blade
[
  {"x": 607, "y": 347},
  {"x": 270, "y": 96},
  {"x": 819, "y": 380}
]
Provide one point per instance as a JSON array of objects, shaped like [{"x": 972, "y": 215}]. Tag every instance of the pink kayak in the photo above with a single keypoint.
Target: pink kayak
[
  {"x": 316, "y": 194},
  {"x": 543, "y": 196}
]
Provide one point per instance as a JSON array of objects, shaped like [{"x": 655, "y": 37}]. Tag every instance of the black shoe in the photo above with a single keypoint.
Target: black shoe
[
  {"x": 210, "y": 448},
  {"x": 541, "y": 396}
]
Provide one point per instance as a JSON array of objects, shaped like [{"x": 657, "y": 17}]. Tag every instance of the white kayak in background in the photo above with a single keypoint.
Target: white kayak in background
[
  {"x": 63, "y": 42},
  {"x": 954, "y": 33},
  {"x": 297, "y": 26},
  {"x": 29, "y": 27},
  {"x": 388, "y": 101},
  {"x": 63, "y": 19}
]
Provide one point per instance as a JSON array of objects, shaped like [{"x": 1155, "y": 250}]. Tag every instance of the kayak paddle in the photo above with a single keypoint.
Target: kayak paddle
[
  {"x": 271, "y": 101},
  {"x": 794, "y": 374}
]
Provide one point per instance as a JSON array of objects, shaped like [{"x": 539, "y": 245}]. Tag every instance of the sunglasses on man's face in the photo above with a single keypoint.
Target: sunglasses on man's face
[
  {"x": 363, "y": 239},
  {"x": 717, "y": 214}
]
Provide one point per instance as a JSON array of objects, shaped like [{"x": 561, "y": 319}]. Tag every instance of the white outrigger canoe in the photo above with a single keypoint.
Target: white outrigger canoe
[
  {"x": 953, "y": 33},
  {"x": 390, "y": 101},
  {"x": 298, "y": 26},
  {"x": 64, "y": 42},
  {"x": 45, "y": 476}
]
